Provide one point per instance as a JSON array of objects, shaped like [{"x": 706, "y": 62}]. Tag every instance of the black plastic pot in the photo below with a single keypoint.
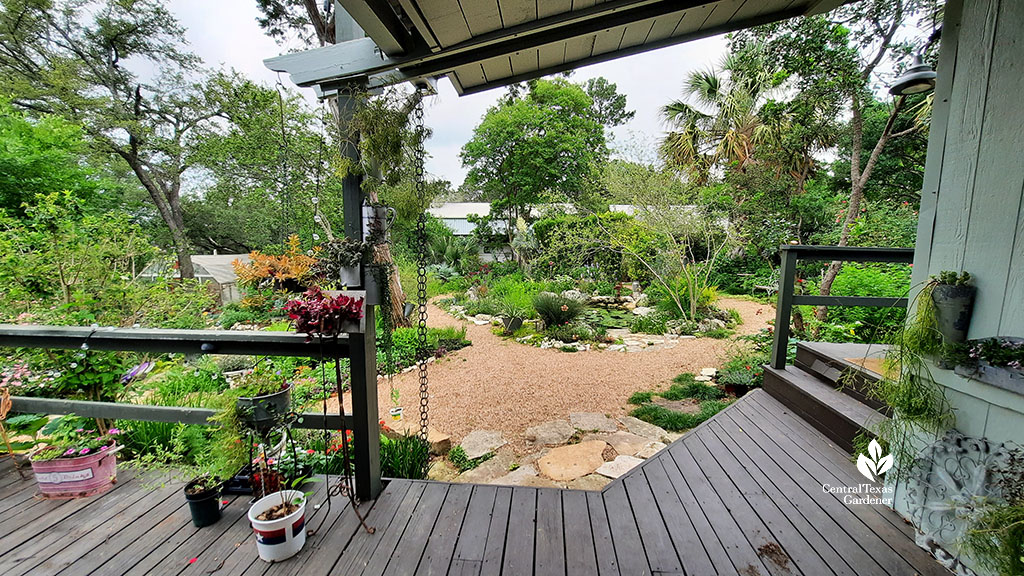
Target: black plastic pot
[
  {"x": 953, "y": 308},
  {"x": 264, "y": 412},
  {"x": 204, "y": 506},
  {"x": 512, "y": 324}
]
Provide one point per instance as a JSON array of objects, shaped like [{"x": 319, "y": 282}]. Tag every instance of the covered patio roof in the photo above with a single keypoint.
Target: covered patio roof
[{"x": 482, "y": 44}]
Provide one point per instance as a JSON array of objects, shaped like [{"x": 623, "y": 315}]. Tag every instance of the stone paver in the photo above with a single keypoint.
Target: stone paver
[
  {"x": 622, "y": 442},
  {"x": 650, "y": 449},
  {"x": 481, "y": 442},
  {"x": 442, "y": 471},
  {"x": 591, "y": 421},
  {"x": 589, "y": 482},
  {"x": 641, "y": 428},
  {"x": 708, "y": 371},
  {"x": 493, "y": 468},
  {"x": 570, "y": 462},
  {"x": 550, "y": 433},
  {"x": 619, "y": 466}
]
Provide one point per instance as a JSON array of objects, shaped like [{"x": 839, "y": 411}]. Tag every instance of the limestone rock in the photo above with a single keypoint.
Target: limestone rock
[
  {"x": 642, "y": 310},
  {"x": 440, "y": 443},
  {"x": 442, "y": 471},
  {"x": 702, "y": 378},
  {"x": 589, "y": 482},
  {"x": 619, "y": 466},
  {"x": 489, "y": 470},
  {"x": 481, "y": 442},
  {"x": 570, "y": 462},
  {"x": 708, "y": 371},
  {"x": 641, "y": 428},
  {"x": 575, "y": 295},
  {"x": 650, "y": 449},
  {"x": 590, "y": 421},
  {"x": 623, "y": 442},
  {"x": 550, "y": 433}
]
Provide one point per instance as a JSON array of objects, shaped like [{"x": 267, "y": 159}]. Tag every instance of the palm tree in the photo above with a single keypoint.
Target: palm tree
[{"x": 723, "y": 124}]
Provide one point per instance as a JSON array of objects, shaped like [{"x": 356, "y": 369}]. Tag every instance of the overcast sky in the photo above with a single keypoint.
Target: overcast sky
[{"x": 226, "y": 33}]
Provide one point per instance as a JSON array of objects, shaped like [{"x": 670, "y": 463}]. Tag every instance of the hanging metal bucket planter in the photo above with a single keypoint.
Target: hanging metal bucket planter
[{"x": 953, "y": 307}]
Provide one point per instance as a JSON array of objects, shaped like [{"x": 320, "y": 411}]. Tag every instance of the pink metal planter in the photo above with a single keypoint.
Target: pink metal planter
[{"x": 81, "y": 477}]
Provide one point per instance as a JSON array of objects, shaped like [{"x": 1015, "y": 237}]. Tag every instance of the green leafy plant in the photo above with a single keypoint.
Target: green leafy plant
[
  {"x": 457, "y": 456},
  {"x": 555, "y": 310},
  {"x": 406, "y": 456},
  {"x": 654, "y": 323},
  {"x": 674, "y": 421}
]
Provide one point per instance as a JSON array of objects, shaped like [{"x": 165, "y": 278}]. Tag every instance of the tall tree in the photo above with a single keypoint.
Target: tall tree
[
  {"x": 545, "y": 144},
  {"x": 72, "y": 58},
  {"x": 719, "y": 123},
  {"x": 842, "y": 55}
]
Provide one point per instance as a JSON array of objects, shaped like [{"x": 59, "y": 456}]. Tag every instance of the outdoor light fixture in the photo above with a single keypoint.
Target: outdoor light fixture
[{"x": 917, "y": 79}]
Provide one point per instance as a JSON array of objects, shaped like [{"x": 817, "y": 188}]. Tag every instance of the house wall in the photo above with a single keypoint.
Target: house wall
[
  {"x": 971, "y": 205},
  {"x": 971, "y": 215}
]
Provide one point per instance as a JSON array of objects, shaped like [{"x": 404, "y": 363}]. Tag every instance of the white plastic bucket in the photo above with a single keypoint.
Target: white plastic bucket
[{"x": 279, "y": 539}]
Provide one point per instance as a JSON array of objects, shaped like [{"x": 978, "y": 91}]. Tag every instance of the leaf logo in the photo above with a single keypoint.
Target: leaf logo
[{"x": 876, "y": 465}]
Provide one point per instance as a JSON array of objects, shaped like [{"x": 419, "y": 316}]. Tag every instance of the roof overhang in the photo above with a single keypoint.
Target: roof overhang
[{"x": 482, "y": 44}]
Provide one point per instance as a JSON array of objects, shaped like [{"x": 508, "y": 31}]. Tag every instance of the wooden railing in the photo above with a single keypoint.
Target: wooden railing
[{"x": 787, "y": 298}]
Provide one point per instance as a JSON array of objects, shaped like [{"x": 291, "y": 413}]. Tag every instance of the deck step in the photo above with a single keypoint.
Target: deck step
[
  {"x": 828, "y": 361},
  {"x": 839, "y": 416}
]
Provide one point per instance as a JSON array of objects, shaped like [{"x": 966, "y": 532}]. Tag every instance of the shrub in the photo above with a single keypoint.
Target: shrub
[
  {"x": 571, "y": 333},
  {"x": 404, "y": 457},
  {"x": 233, "y": 315},
  {"x": 677, "y": 421},
  {"x": 717, "y": 333},
  {"x": 555, "y": 310},
  {"x": 653, "y": 323}
]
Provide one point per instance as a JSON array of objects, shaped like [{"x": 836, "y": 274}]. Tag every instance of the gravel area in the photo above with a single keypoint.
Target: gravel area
[{"x": 503, "y": 385}]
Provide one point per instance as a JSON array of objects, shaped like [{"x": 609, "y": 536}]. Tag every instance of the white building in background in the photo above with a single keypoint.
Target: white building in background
[{"x": 216, "y": 269}]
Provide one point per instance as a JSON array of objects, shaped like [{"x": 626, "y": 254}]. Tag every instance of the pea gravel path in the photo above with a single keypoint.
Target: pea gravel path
[{"x": 503, "y": 385}]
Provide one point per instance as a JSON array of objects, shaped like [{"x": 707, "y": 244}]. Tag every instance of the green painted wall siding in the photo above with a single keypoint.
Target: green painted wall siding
[{"x": 971, "y": 206}]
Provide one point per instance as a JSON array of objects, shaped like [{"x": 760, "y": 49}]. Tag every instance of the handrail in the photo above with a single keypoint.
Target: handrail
[
  {"x": 791, "y": 253},
  {"x": 168, "y": 341},
  {"x": 149, "y": 413}
]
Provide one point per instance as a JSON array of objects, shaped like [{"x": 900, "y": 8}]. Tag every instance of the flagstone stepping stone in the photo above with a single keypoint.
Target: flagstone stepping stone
[
  {"x": 589, "y": 482},
  {"x": 492, "y": 468},
  {"x": 570, "y": 462},
  {"x": 550, "y": 433},
  {"x": 524, "y": 476},
  {"x": 442, "y": 471},
  {"x": 708, "y": 371},
  {"x": 641, "y": 428},
  {"x": 481, "y": 442},
  {"x": 702, "y": 378},
  {"x": 623, "y": 442},
  {"x": 592, "y": 421},
  {"x": 650, "y": 449},
  {"x": 619, "y": 466}
]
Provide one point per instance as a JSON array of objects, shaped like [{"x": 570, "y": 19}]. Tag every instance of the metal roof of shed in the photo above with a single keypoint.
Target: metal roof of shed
[{"x": 481, "y": 44}]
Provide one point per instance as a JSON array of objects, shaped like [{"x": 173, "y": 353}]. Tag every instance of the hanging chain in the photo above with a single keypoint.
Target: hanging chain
[{"x": 421, "y": 264}]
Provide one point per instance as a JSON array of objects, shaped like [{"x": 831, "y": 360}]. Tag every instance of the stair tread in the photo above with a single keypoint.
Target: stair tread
[{"x": 850, "y": 408}]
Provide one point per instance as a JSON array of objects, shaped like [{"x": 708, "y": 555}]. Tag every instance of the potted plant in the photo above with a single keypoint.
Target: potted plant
[
  {"x": 512, "y": 316},
  {"x": 75, "y": 463},
  {"x": 339, "y": 262},
  {"x": 319, "y": 313},
  {"x": 996, "y": 361},
  {"x": 203, "y": 496},
  {"x": 295, "y": 463},
  {"x": 953, "y": 296},
  {"x": 279, "y": 521},
  {"x": 263, "y": 398}
]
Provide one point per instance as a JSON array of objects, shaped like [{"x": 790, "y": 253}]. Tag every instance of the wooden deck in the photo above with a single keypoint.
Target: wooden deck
[{"x": 742, "y": 494}]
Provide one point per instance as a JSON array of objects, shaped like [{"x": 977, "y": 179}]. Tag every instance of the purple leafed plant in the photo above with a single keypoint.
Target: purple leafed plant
[{"x": 318, "y": 314}]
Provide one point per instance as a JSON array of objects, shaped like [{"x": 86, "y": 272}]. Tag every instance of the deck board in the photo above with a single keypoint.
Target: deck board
[{"x": 717, "y": 501}]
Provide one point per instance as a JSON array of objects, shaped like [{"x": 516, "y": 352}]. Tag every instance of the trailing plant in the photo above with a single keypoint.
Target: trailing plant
[
  {"x": 918, "y": 404},
  {"x": 995, "y": 533}
]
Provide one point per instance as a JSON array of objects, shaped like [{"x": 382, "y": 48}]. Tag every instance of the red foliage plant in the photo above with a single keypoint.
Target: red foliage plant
[{"x": 318, "y": 314}]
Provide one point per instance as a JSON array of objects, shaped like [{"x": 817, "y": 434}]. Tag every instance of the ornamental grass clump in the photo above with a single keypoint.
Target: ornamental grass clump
[
  {"x": 556, "y": 310},
  {"x": 318, "y": 314}
]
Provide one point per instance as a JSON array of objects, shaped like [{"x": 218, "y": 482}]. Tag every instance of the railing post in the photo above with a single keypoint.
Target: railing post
[
  {"x": 784, "y": 307},
  {"x": 362, "y": 347}
]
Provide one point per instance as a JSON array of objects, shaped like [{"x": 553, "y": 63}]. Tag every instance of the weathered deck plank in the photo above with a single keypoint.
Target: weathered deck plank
[{"x": 717, "y": 501}]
